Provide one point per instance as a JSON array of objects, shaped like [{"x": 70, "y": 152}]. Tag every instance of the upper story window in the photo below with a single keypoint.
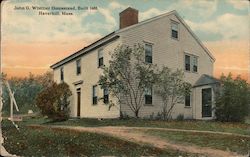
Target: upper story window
[
  {"x": 100, "y": 58},
  {"x": 148, "y": 96},
  {"x": 78, "y": 67},
  {"x": 148, "y": 53},
  {"x": 62, "y": 74},
  {"x": 188, "y": 100},
  {"x": 94, "y": 96},
  {"x": 174, "y": 30},
  {"x": 191, "y": 63},
  {"x": 105, "y": 96}
]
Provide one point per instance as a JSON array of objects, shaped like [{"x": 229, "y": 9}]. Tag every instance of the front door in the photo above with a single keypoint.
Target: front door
[
  {"x": 78, "y": 102},
  {"x": 207, "y": 102}
]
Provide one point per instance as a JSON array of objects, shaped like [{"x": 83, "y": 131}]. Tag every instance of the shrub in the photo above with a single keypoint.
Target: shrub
[
  {"x": 232, "y": 101},
  {"x": 54, "y": 101},
  {"x": 180, "y": 117}
]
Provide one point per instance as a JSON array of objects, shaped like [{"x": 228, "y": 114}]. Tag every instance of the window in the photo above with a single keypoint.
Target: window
[
  {"x": 100, "y": 58},
  {"x": 148, "y": 53},
  {"x": 105, "y": 96},
  {"x": 62, "y": 74},
  {"x": 174, "y": 30},
  {"x": 78, "y": 67},
  {"x": 148, "y": 96},
  {"x": 187, "y": 100},
  {"x": 94, "y": 95},
  {"x": 191, "y": 63},
  {"x": 187, "y": 63}
]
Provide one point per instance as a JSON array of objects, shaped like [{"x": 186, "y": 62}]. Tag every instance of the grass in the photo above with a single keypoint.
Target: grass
[
  {"x": 36, "y": 141},
  {"x": 237, "y": 144},
  {"x": 240, "y": 128}
]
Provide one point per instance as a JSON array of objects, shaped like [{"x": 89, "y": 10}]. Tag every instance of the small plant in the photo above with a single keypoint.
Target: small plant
[{"x": 180, "y": 117}]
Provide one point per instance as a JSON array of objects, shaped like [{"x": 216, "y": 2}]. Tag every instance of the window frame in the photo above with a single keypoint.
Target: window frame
[
  {"x": 78, "y": 67},
  {"x": 192, "y": 57},
  {"x": 146, "y": 54},
  {"x": 62, "y": 74},
  {"x": 147, "y": 96},
  {"x": 185, "y": 100},
  {"x": 100, "y": 51},
  {"x": 177, "y": 30},
  {"x": 94, "y": 95},
  {"x": 105, "y": 96}
]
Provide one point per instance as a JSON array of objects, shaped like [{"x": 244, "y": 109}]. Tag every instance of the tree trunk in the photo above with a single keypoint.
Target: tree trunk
[{"x": 136, "y": 114}]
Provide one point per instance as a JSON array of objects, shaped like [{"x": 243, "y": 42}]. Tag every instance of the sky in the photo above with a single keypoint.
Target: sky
[{"x": 31, "y": 42}]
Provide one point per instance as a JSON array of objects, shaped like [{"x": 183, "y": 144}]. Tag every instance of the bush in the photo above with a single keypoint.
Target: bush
[
  {"x": 180, "y": 117},
  {"x": 54, "y": 101},
  {"x": 232, "y": 100}
]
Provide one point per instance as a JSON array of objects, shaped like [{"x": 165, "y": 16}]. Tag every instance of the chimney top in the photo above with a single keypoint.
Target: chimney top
[{"x": 128, "y": 17}]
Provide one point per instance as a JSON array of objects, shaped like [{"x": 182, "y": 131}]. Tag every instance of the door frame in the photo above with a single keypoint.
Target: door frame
[
  {"x": 210, "y": 115},
  {"x": 78, "y": 102}
]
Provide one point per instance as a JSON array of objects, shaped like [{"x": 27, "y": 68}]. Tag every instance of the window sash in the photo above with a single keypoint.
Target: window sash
[
  {"x": 174, "y": 30},
  {"x": 94, "y": 95},
  {"x": 148, "y": 95},
  {"x": 105, "y": 95},
  {"x": 78, "y": 67},
  {"x": 148, "y": 53},
  {"x": 188, "y": 100},
  {"x": 195, "y": 64},
  {"x": 100, "y": 61},
  {"x": 187, "y": 62},
  {"x": 62, "y": 74}
]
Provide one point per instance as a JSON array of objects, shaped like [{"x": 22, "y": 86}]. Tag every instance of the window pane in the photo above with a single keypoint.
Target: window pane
[
  {"x": 174, "y": 30},
  {"x": 195, "y": 64},
  {"x": 148, "y": 53},
  {"x": 187, "y": 100},
  {"x": 100, "y": 53},
  {"x": 100, "y": 62},
  {"x": 187, "y": 62},
  {"x": 94, "y": 91},
  {"x": 78, "y": 67},
  {"x": 62, "y": 74}
]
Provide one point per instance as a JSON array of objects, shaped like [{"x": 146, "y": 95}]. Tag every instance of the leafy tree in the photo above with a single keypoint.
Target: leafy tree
[
  {"x": 26, "y": 90},
  {"x": 127, "y": 76},
  {"x": 233, "y": 99},
  {"x": 54, "y": 101},
  {"x": 172, "y": 89}
]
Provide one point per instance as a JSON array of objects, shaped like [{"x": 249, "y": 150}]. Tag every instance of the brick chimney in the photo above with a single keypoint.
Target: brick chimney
[{"x": 128, "y": 17}]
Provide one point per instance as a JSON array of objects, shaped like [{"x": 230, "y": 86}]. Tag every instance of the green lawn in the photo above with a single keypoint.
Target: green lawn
[
  {"x": 239, "y": 128},
  {"x": 237, "y": 144},
  {"x": 47, "y": 142}
]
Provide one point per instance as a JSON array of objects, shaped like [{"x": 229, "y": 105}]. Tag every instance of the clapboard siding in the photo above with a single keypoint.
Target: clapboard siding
[
  {"x": 168, "y": 52},
  {"x": 90, "y": 75}
]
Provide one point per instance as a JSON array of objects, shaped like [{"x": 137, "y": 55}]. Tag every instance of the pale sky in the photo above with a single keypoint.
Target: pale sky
[{"x": 32, "y": 42}]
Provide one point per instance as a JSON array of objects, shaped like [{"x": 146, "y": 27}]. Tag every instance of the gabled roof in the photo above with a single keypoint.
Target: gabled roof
[
  {"x": 106, "y": 39},
  {"x": 113, "y": 36},
  {"x": 174, "y": 12},
  {"x": 206, "y": 80}
]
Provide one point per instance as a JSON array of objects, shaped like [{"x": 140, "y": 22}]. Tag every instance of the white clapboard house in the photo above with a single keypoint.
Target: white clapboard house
[{"x": 168, "y": 41}]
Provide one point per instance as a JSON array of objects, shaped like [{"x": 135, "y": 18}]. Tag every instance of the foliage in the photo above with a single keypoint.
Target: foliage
[
  {"x": 233, "y": 99},
  {"x": 180, "y": 117},
  {"x": 26, "y": 90},
  {"x": 54, "y": 101},
  {"x": 128, "y": 75},
  {"x": 172, "y": 88}
]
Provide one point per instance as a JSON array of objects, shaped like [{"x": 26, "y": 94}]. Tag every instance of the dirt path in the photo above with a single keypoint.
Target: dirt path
[{"x": 128, "y": 133}]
